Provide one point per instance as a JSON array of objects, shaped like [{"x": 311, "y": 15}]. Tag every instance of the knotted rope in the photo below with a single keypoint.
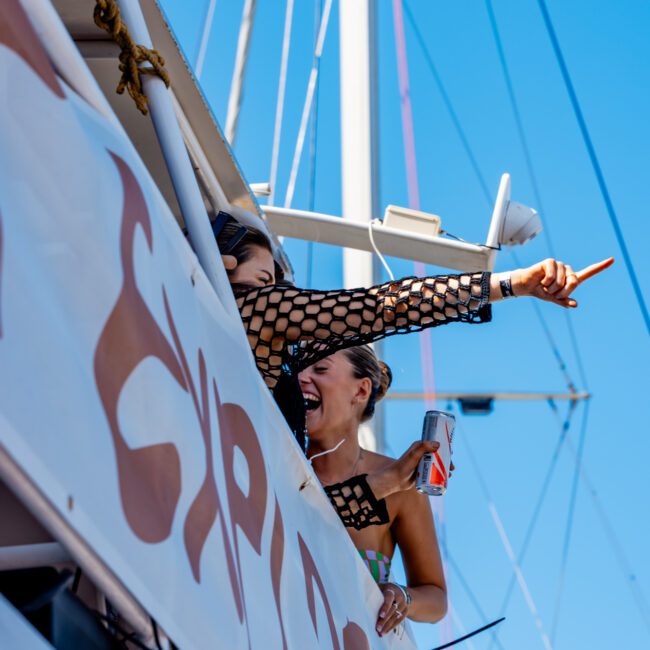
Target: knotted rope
[{"x": 107, "y": 17}]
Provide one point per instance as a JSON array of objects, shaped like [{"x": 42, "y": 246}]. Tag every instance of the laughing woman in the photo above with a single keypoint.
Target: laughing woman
[
  {"x": 341, "y": 391},
  {"x": 290, "y": 329}
]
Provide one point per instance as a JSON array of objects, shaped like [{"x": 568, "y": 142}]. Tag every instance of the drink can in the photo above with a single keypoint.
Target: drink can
[{"x": 433, "y": 470}]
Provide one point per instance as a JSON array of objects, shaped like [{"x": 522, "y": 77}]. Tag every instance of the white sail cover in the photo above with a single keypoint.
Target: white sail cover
[{"x": 129, "y": 395}]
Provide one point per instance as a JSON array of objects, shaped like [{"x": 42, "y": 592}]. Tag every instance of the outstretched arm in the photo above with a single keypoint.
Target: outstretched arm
[{"x": 323, "y": 321}]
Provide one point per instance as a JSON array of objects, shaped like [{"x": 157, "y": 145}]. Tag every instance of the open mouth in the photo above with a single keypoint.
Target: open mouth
[{"x": 312, "y": 401}]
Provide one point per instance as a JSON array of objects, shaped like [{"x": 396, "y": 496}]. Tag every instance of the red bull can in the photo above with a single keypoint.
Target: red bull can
[{"x": 433, "y": 471}]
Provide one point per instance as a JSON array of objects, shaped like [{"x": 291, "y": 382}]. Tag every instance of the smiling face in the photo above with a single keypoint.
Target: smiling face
[
  {"x": 335, "y": 398},
  {"x": 258, "y": 270}
]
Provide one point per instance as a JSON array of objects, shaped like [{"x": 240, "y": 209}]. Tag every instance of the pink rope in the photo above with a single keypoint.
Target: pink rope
[{"x": 426, "y": 348}]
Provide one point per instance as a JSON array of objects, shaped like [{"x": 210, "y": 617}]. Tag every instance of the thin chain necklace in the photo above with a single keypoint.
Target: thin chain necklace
[{"x": 354, "y": 467}]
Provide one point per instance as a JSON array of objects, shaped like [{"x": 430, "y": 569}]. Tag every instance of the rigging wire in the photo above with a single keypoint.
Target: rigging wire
[
  {"x": 279, "y": 107},
  {"x": 505, "y": 541},
  {"x": 594, "y": 161},
  {"x": 532, "y": 175},
  {"x": 448, "y": 104},
  {"x": 205, "y": 37},
  {"x": 624, "y": 564},
  {"x": 313, "y": 145},
  {"x": 570, "y": 517},
  {"x": 455, "y": 617},
  {"x": 546, "y": 482},
  {"x": 311, "y": 87},
  {"x": 627, "y": 571},
  {"x": 479, "y": 175},
  {"x": 426, "y": 348},
  {"x": 468, "y": 590}
]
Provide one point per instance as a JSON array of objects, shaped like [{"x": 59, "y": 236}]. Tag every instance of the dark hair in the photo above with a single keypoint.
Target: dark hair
[
  {"x": 365, "y": 364},
  {"x": 242, "y": 250}
]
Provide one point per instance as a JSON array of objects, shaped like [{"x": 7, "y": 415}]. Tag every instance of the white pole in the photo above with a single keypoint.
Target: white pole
[
  {"x": 306, "y": 109},
  {"x": 205, "y": 37},
  {"x": 237, "y": 84},
  {"x": 279, "y": 109},
  {"x": 178, "y": 161},
  {"x": 359, "y": 145},
  {"x": 359, "y": 160}
]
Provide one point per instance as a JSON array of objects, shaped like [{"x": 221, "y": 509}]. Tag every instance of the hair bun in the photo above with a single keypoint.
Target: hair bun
[{"x": 385, "y": 381}]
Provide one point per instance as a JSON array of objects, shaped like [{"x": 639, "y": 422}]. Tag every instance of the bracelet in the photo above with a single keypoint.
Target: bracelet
[
  {"x": 505, "y": 284},
  {"x": 405, "y": 591}
]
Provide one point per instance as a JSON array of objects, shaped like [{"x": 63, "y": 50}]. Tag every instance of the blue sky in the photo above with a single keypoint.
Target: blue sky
[{"x": 607, "y": 51}]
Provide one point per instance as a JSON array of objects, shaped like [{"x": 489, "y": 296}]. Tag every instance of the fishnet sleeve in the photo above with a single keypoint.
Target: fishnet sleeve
[{"x": 315, "y": 324}]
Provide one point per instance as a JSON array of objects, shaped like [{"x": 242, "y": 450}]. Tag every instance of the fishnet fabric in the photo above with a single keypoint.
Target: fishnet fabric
[
  {"x": 355, "y": 503},
  {"x": 289, "y": 329}
]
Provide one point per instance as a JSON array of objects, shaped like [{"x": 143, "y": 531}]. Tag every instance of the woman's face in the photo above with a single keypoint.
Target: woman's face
[
  {"x": 335, "y": 397},
  {"x": 257, "y": 271}
]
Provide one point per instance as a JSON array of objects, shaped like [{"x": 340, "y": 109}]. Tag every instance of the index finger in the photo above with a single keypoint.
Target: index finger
[{"x": 592, "y": 270}]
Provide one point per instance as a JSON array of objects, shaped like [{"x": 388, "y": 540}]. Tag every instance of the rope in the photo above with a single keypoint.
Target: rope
[{"x": 107, "y": 17}]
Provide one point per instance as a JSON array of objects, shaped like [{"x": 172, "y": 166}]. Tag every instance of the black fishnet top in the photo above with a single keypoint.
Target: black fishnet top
[{"x": 289, "y": 329}]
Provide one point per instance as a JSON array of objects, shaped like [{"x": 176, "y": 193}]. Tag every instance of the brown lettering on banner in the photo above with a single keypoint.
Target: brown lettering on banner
[
  {"x": 246, "y": 511},
  {"x": 149, "y": 477},
  {"x": 206, "y": 505},
  {"x": 354, "y": 638},
  {"x": 311, "y": 576},
  {"x": 17, "y": 33},
  {"x": 277, "y": 556}
]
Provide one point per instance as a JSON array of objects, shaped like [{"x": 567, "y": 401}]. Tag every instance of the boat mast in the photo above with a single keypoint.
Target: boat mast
[{"x": 359, "y": 147}]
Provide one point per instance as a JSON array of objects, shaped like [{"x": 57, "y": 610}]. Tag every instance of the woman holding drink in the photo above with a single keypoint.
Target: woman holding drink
[
  {"x": 290, "y": 329},
  {"x": 341, "y": 391}
]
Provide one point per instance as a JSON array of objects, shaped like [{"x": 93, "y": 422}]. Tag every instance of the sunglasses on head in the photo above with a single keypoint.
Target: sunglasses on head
[{"x": 219, "y": 224}]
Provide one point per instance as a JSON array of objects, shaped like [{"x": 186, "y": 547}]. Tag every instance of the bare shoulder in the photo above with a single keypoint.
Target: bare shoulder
[{"x": 374, "y": 462}]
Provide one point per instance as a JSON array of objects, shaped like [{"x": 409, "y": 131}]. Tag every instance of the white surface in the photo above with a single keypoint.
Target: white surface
[
  {"x": 327, "y": 229},
  {"x": 67, "y": 256},
  {"x": 415, "y": 221}
]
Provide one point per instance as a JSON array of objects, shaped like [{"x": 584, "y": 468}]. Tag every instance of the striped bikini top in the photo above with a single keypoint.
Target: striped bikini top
[{"x": 378, "y": 564}]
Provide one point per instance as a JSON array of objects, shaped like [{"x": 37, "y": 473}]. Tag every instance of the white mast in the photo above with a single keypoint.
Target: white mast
[
  {"x": 359, "y": 142},
  {"x": 236, "y": 87}
]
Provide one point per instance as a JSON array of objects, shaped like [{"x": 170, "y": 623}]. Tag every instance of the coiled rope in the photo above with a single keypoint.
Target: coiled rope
[{"x": 107, "y": 17}]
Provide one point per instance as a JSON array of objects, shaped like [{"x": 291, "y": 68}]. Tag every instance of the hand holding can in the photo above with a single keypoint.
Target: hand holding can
[{"x": 433, "y": 470}]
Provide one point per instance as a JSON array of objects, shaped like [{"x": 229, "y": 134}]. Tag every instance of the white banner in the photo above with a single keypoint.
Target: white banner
[{"x": 129, "y": 395}]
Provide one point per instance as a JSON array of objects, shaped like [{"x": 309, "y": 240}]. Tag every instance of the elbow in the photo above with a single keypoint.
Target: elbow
[
  {"x": 432, "y": 607},
  {"x": 439, "y": 606}
]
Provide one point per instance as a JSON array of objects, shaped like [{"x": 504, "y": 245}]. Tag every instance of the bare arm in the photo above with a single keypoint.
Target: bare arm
[{"x": 415, "y": 535}]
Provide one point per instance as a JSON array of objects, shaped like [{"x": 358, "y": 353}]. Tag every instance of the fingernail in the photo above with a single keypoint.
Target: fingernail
[{"x": 382, "y": 614}]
